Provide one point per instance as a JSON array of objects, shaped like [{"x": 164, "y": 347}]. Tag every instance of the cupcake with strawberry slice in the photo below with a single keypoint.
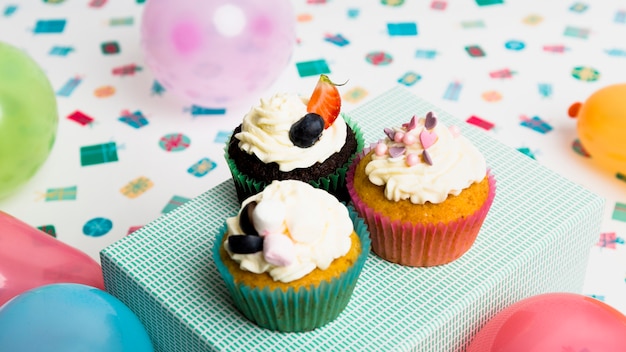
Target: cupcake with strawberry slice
[{"x": 289, "y": 137}]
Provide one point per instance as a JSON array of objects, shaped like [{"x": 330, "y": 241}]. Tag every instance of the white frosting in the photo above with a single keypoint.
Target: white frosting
[
  {"x": 317, "y": 224},
  {"x": 265, "y": 132},
  {"x": 456, "y": 165}
]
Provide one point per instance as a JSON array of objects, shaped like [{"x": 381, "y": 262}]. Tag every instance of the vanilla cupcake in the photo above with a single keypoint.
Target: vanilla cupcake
[
  {"x": 288, "y": 137},
  {"x": 424, "y": 192},
  {"x": 292, "y": 256}
]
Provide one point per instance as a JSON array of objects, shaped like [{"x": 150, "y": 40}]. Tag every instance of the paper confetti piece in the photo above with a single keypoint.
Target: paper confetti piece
[
  {"x": 336, "y": 39},
  {"x": 475, "y": 51},
  {"x": 379, "y": 58},
  {"x": 126, "y": 70},
  {"x": 619, "y": 212},
  {"x": 609, "y": 240},
  {"x": 438, "y": 5},
  {"x": 60, "y": 50},
  {"x": 69, "y": 87},
  {"x": 425, "y": 53},
  {"x": 555, "y": 48},
  {"x": 585, "y": 74},
  {"x": 104, "y": 91},
  {"x": 620, "y": 16},
  {"x": 479, "y": 122},
  {"x": 502, "y": 74},
  {"x": 577, "y": 147},
  {"x": 453, "y": 91},
  {"x": 58, "y": 194},
  {"x": 409, "y": 78},
  {"x": 9, "y": 10},
  {"x": 98, "y": 154},
  {"x": 136, "y": 187},
  {"x": 174, "y": 142},
  {"x": 48, "y": 229},
  {"x": 202, "y": 167},
  {"x": 97, "y": 227},
  {"x": 157, "y": 88},
  {"x": 133, "y": 119},
  {"x": 536, "y": 124},
  {"x": 545, "y": 89},
  {"x": 526, "y": 151},
  {"x": 578, "y": 7},
  {"x": 197, "y": 110},
  {"x": 49, "y": 26},
  {"x": 80, "y": 118},
  {"x": 354, "y": 95},
  {"x": 222, "y": 137},
  {"x": 491, "y": 96},
  {"x": 312, "y": 68},
  {"x": 402, "y": 29},
  {"x": 576, "y": 32},
  {"x": 174, "y": 203}
]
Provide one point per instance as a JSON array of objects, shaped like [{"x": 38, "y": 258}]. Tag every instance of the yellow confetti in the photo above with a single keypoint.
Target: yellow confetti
[
  {"x": 104, "y": 91},
  {"x": 492, "y": 96},
  {"x": 354, "y": 95},
  {"x": 533, "y": 19},
  {"x": 137, "y": 187}
]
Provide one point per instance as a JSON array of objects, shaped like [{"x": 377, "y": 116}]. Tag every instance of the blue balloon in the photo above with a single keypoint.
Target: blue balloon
[{"x": 70, "y": 318}]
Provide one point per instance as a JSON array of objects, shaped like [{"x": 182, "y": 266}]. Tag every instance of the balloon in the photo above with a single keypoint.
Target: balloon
[
  {"x": 30, "y": 258},
  {"x": 70, "y": 317},
  {"x": 563, "y": 322},
  {"x": 601, "y": 126},
  {"x": 28, "y": 118},
  {"x": 218, "y": 52}
]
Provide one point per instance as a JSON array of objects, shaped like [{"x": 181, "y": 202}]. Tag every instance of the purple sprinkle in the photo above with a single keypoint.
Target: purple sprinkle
[
  {"x": 431, "y": 121},
  {"x": 396, "y": 151},
  {"x": 427, "y": 158},
  {"x": 412, "y": 124},
  {"x": 390, "y": 133}
]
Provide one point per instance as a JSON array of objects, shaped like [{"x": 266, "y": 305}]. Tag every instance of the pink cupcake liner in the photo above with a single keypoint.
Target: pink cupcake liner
[{"x": 420, "y": 245}]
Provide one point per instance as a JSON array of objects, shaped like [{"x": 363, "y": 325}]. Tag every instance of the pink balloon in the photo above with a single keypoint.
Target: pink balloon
[
  {"x": 30, "y": 258},
  {"x": 217, "y": 52},
  {"x": 560, "y": 322}
]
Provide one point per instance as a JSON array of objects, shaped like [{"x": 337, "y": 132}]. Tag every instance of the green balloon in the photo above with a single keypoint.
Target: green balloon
[{"x": 28, "y": 118}]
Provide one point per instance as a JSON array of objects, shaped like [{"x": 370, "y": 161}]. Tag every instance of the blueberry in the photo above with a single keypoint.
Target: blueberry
[
  {"x": 245, "y": 219},
  {"x": 245, "y": 244},
  {"x": 306, "y": 131}
]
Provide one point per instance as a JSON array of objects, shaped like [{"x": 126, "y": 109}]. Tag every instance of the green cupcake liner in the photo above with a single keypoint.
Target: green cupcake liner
[
  {"x": 335, "y": 183},
  {"x": 296, "y": 310}
]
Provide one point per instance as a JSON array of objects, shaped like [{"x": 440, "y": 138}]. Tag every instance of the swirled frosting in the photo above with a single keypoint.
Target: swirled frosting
[
  {"x": 408, "y": 170},
  {"x": 265, "y": 132},
  {"x": 317, "y": 225}
]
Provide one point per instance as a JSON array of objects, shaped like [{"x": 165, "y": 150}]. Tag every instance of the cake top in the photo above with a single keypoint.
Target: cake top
[
  {"x": 288, "y": 230},
  {"x": 295, "y": 132},
  {"x": 423, "y": 161}
]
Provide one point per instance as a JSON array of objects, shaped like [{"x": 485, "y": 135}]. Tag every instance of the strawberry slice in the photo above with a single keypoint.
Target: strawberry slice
[{"x": 325, "y": 100}]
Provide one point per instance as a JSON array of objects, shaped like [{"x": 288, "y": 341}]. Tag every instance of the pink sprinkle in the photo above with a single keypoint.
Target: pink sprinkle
[
  {"x": 409, "y": 139},
  {"x": 398, "y": 137},
  {"x": 412, "y": 159},
  {"x": 381, "y": 149}
]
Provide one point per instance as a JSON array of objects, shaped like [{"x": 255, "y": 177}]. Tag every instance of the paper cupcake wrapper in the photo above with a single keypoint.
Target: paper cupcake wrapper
[
  {"x": 296, "y": 311},
  {"x": 420, "y": 245},
  {"x": 335, "y": 183}
]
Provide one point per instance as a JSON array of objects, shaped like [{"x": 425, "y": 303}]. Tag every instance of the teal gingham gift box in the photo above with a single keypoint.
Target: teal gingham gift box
[{"x": 536, "y": 239}]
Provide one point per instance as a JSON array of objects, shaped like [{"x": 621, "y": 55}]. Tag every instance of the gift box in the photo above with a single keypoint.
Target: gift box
[{"x": 536, "y": 239}]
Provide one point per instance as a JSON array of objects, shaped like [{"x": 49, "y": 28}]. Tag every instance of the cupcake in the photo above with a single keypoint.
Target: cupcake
[
  {"x": 290, "y": 137},
  {"x": 292, "y": 256},
  {"x": 423, "y": 191}
]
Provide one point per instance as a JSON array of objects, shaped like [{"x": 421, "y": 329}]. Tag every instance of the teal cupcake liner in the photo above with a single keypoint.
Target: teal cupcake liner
[
  {"x": 335, "y": 183},
  {"x": 300, "y": 310}
]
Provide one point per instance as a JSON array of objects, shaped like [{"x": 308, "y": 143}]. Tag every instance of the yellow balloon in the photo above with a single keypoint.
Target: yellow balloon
[{"x": 601, "y": 126}]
